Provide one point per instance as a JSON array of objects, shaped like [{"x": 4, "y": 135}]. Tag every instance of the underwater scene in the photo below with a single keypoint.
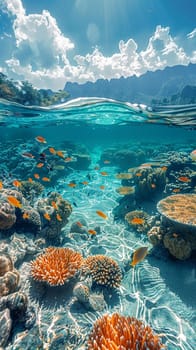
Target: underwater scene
[{"x": 97, "y": 226}]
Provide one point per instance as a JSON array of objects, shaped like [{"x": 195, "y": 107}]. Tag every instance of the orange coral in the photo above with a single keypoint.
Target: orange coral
[
  {"x": 118, "y": 332},
  {"x": 56, "y": 265},
  {"x": 104, "y": 270}
]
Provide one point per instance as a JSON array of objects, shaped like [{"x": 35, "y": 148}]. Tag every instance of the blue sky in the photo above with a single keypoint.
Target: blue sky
[{"x": 52, "y": 42}]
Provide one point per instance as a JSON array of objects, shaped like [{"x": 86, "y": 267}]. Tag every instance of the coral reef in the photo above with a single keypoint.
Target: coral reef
[
  {"x": 56, "y": 266},
  {"x": 104, "y": 270},
  {"x": 139, "y": 220},
  {"x": 148, "y": 181},
  {"x": 123, "y": 157},
  {"x": 7, "y": 215},
  {"x": 179, "y": 208},
  {"x": 121, "y": 332},
  {"x": 177, "y": 246},
  {"x": 31, "y": 190},
  {"x": 5, "y": 327},
  {"x": 9, "y": 276},
  {"x": 54, "y": 211}
]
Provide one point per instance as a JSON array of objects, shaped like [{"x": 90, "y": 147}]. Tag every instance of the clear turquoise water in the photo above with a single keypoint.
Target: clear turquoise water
[{"x": 160, "y": 291}]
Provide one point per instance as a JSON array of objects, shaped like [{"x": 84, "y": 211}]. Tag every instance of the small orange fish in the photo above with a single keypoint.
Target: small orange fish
[
  {"x": 27, "y": 155},
  {"x": 176, "y": 190},
  {"x": 60, "y": 154},
  {"x": 58, "y": 217},
  {"x": 72, "y": 184},
  {"x": 164, "y": 168},
  {"x": 14, "y": 201},
  {"x": 85, "y": 182},
  {"x": 104, "y": 173},
  {"x": 52, "y": 150},
  {"x": 68, "y": 159},
  {"x": 1, "y": 185},
  {"x": 25, "y": 215},
  {"x": 16, "y": 183},
  {"x": 46, "y": 179},
  {"x": 184, "y": 179},
  {"x": 79, "y": 223},
  {"x": 153, "y": 186},
  {"x": 41, "y": 139},
  {"x": 30, "y": 179},
  {"x": 54, "y": 205},
  {"x": 102, "y": 214},
  {"x": 139, "y": 255},
  {"x": 92, "y": 232},
  {"x": 40, "y": 165},
  {"x": 102, "y": 187},
  {"x": 36, "y": 176},
  {"x": 138, "y": 174},
  {"x": 47, "y": 216}
]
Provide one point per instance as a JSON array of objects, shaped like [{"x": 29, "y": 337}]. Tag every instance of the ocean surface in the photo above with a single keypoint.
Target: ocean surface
[{"x": 98, "y": 140}]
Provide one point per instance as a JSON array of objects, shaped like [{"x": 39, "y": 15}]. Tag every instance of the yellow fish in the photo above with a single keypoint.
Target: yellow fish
[
  {"x": 14, "y": 201},
  {"x": 139, "y": 255},
  {"x": 102, "y": 214}
]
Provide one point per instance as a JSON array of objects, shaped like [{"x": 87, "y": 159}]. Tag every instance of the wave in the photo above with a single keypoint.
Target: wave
[{"x": 94, "y": 110}]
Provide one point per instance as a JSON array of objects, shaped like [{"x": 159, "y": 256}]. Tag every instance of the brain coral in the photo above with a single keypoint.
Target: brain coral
[
  {"x": 118, "y": 332},
  {"x": 179, "y": 208},
  {"x": 9, "y": 276},
  {"x": 56, "y": 265},
  {"x": 7, "y": 215},
  {"x": 104, "y": 270}
]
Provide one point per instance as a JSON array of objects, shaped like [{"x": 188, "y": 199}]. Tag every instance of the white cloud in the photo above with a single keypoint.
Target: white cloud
[
  {"x": 41, "y": 53},
  {"x": 192, "y": 34}
]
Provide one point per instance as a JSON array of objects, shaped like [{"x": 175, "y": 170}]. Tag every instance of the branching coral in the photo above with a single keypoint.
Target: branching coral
[
  {"x": 104, "y": 270},
  {"x": 118, "y": 332},
  {"x": 56, "y": 265}
]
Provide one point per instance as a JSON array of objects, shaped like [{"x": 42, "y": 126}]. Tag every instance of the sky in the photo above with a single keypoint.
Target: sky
[{"x": 51, "y": 42}]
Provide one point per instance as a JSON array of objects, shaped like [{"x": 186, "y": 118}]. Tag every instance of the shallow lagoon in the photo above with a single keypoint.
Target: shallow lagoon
[{"x": 160, "y": 289}]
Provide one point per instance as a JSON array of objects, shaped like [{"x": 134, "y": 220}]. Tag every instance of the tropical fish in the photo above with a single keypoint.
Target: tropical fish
[
  {"x": 58, "y": 217},
  {"x": 41, "y": 139},
  {"x": 40, "y": 165},
  {"x": 46, "y": 179},
  {"x": 104, "y": 173},
  {"x": 72, "y": 184},
  {"x": 138, "y": 174},
  {"x": 27, "y": 155},
  {"x": 58, "y": 167},
  {"x": 16, "y": 183},
  {"x": 79, "y": 224},
  {"x": 68, "y": 159},
  {"x": 14, "y": 201},
  {"x": 184, "y": 179},
  {"x": 107, "y": 161},
  {"x": 47, "y": 216},
  {"x": 153, "y": 186},
  {"x": 30, "y": 179},
  {"x": 60, "y": 154},
  {"x": 102, "y": 214},
  {"x": 125, "y": 190},
  {"x": 139, "y": 255},
  {"x": 164, "y": 168},
  {"x": 52, "y": 150},
  {"x": 102, "y": 187},
  {"x": 193, "y": 155},
  {"x": 85, "y": 182},
  {"x": 176, "y": 190},
  {"x": 54, "y": 205},
  {"x": 125, "y": 176},
  {"x": 25, "y": 215},
  {"x": 36, "y": 176},
  {"x": 1, "y": 185},
  {"x": 92, "y": 232}
]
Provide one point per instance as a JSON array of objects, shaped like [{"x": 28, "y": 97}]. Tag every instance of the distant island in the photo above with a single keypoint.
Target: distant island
[{"x": 173, "y": 85}]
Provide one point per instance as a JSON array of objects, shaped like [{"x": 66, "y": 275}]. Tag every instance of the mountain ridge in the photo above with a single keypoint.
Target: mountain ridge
[{"x": 143, "y": 89}]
